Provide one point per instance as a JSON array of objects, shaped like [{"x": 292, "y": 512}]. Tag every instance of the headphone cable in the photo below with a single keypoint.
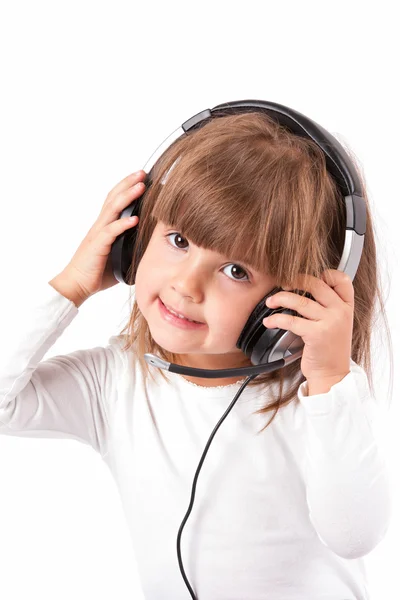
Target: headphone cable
[{"x": 178, "y": 541}]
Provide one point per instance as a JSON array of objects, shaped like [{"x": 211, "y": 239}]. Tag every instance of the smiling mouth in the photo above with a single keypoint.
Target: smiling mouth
[{"x": 177, "y": 315}]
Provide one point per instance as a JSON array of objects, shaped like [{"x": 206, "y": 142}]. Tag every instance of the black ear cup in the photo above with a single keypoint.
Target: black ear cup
[
  {"x": 123, "y": 246},
  {"x": 263, "y": 345}
]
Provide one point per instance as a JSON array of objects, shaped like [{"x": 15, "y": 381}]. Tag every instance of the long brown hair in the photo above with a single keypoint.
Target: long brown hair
[{"x": 242, "y": 185}]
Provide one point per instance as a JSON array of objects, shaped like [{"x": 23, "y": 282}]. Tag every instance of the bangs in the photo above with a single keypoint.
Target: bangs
[
  {"x": 220, "y": 212},
  {"x": 253, "y": 198},
  {"x": 217, "y": 221}
]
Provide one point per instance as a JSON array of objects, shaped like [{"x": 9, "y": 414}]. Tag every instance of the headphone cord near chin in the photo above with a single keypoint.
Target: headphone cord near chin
[{"x": 178, "y": 541}]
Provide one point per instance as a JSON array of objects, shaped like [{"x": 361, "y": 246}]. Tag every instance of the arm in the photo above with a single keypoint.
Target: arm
[
  {"x": 346, "y": 477},
  {"x": 64, "y": 396}
]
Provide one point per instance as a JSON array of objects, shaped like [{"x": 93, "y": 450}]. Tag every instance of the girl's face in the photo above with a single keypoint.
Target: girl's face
[{"x": 205, "y": 286}]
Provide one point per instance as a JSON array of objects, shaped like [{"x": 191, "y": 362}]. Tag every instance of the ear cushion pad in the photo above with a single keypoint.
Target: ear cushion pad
[{"x": 254, "y": 327}]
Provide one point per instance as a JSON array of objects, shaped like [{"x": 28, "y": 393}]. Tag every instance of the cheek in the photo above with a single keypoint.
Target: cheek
[
  {"x": 240, "y": 314},
  {"x": 228, "y": 319},
  {"x": 142, "y": 284},
  {"x": 149, "y": 281}
]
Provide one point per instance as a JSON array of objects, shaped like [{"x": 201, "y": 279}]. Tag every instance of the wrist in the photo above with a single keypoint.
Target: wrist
[
  {"x": 323, "y": 385},
  {"x": 68, "y": 289}
]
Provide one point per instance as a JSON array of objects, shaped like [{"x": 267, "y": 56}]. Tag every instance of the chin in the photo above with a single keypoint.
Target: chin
[{"x": 167, "y": 343}]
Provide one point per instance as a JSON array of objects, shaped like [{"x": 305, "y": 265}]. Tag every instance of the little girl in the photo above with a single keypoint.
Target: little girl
[{"x": 284, "y": 509}]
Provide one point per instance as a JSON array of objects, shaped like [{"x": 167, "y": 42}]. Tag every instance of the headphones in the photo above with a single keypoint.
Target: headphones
[{"x": 261, "y": 345}]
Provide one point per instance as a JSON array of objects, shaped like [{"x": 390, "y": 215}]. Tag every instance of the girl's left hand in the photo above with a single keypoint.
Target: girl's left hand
[{"x": 327, "y": 328}]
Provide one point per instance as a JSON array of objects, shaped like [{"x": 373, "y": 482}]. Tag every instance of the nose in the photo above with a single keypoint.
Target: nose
[{"x": 189, "y": 281}]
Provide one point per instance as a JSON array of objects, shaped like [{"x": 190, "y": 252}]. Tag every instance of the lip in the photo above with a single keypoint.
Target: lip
[{"x": 181, "y": 323}]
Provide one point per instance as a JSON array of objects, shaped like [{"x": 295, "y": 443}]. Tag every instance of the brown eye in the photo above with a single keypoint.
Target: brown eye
[
  {"x": 175, "y": 235},
  {"x": 237, "y": 269},
  {"x": 179, "y": 238}
]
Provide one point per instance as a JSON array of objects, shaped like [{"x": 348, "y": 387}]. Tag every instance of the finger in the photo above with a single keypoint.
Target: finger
[
  {"x": 306, "y": 307},
  {"x": 341, "y": 283},
  {"x": 125, "y": 184},
  {"x": 297, "y": 325},
  {"x": 112, "y": 211},
  {"x": 319, "y": 288},
  {"x": 106, "y": 237}
]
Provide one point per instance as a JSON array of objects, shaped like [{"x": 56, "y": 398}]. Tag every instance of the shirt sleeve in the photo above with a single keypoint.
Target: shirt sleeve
[
  {"x": 346, "y": 476},
  {"x": 62, "y": 397}
]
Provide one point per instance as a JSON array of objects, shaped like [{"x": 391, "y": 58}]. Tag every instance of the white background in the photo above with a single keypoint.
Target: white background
[{"x": 88, "y": 91}]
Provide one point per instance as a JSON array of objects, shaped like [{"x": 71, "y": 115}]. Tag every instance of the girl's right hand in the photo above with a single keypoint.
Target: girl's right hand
[{"x": 90, "y": 271}]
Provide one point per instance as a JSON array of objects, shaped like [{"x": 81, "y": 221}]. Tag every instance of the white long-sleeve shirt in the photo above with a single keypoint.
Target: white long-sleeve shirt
[{"x": 287, "y": 514}]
